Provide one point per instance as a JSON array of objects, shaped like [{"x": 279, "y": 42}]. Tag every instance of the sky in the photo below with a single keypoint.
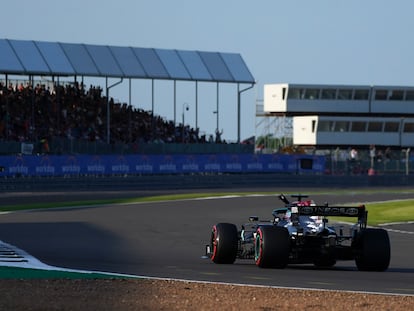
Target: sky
[{"x": 351, "y": 42}]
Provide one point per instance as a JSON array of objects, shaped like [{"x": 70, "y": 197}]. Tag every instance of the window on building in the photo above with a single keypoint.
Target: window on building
[
  {"x": 397, "y": 95},
  {"x": 341, "y": 126},
  {"x": 381, "y": 94},
  {"x": 409, "y": 127},
  {"x": 328, "y": 94},
  {"x": 358, "y": 126},
  {"x": 294, "y": 93},
  {"x": 375, "y": 126},
  {"x": 409, "y": 95},
  {"x": 361, "y": 94},
  {"x": 391, "y": 127},
  {"x": 345, "y": 94},
  {"x": 312, "y": 94},
  {"x": 325, "y": 126}
]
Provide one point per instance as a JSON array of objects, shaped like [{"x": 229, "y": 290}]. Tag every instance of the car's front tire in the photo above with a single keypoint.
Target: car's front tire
[
  {"x": 224, "y": 243},
  {"x": 272, "y": 247}
]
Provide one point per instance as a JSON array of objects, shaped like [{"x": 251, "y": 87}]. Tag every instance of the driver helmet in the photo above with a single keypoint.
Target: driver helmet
[{"x": 281, "y": 214}]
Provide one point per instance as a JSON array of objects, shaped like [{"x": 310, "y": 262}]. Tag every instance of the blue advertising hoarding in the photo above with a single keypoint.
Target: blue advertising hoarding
[{"x": 53, "y": 165}]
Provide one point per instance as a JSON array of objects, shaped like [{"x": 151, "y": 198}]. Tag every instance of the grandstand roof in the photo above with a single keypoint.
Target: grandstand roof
[{"x": 68, "y": 59}]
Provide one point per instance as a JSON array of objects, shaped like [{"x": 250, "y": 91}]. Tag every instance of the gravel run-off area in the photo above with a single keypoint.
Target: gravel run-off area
[{"x": 142, "y": 294}]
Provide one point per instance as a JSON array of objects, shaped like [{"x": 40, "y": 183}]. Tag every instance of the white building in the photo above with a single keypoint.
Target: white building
[{"x": 337, "y": 115}]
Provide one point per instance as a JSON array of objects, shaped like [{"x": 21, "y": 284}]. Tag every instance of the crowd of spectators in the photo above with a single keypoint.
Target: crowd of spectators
[{"x": 40, "y": 112}]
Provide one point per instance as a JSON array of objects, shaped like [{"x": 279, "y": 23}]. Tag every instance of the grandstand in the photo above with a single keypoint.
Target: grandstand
[{"x": 68, "y": 115}]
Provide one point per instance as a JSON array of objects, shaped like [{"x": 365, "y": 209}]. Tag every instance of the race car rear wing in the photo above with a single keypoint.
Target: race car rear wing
[
  {"x": 309, "y": 208},
  {"x": 326, "y": 210}
]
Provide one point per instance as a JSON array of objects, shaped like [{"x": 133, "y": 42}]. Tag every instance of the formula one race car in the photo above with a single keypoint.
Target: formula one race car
[{"x": 298, "y": 233}]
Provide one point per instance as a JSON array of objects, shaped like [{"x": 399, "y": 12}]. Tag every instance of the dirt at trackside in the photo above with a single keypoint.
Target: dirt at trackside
[{"x": 127, "y": 294}]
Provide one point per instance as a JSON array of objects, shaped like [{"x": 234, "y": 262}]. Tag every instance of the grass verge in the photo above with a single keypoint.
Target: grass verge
[
  {"x": 28, "y": 273},
  {"x": 387, "y": 212}
]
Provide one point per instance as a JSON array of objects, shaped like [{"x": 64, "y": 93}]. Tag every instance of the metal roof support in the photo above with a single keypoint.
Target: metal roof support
[
  {"x": 217, "y": 107},
  {"x": 32, "y": 95},
  {"x": 196, "y": 105},
  {"x": 57, "y": 90},
  {"x": 239, "y": 107},
  {"x": 7, "y": 105},
  {"x": 108, "y": 116},
  {"x": 152, "y": 109},
  {"x": 175, "y": 102},
  {"x": 130, "y": 111}
]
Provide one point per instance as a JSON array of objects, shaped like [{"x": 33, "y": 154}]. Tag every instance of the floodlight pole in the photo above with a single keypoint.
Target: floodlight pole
[
  {"x": 108, "y": 117},
  {"x": 239, "y": 108}
]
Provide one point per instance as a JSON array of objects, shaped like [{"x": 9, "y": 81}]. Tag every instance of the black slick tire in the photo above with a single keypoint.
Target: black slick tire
[
  {"x": 224, "y": 243},
  {"x": 272, "y": 247},
  {"x": 372, "y": 250}
]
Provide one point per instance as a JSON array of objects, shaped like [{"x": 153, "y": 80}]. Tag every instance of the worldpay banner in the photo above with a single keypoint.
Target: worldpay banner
[{"x": 53, "y": 165}]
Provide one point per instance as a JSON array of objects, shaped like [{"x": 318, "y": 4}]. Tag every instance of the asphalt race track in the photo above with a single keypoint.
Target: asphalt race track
[{"x": 167, "y": 239}]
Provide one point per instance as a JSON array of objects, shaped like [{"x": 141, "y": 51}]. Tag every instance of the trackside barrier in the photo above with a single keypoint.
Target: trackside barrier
[{"x": 106, "y": 165}]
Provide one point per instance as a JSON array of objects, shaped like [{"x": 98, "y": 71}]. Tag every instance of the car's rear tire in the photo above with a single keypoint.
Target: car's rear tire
[
  {"x": 372, "y": 250},
  {"x": 272, "y": 247},
  {"x": 224, "y": 243}
]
